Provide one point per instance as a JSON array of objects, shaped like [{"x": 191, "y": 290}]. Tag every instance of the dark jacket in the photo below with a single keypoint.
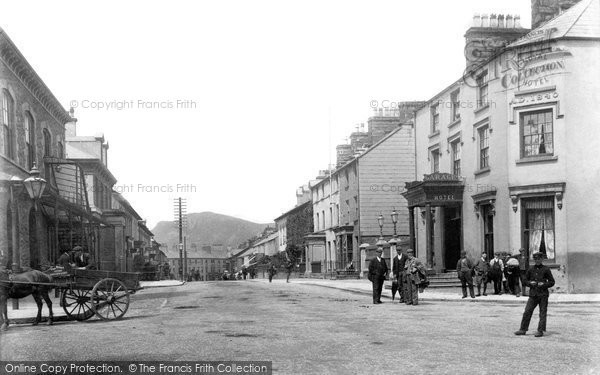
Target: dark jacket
[
  {"x": 377, "y": 269},
  {"x": 469, "y": 264},
  {"x": 399, "y": 264},
  {"x": 65, "y": 261},
  {"x": 481, "y": 266},
  {"x": 536, "y": 274}
]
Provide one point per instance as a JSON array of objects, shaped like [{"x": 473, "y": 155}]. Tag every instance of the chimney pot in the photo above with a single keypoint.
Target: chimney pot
[
  {"x": 476, "y": 20},
  {"x": 510, "y": 23},
  {"x": 493, "y": 20},
  {"x": 517, "y": 21},
  {"x": 501, "y": 21},
  {"x": 485, "y": 20}
]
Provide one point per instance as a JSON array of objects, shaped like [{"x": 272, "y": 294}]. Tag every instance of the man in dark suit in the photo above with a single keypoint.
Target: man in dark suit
[
  {"x": 538, "y": 278},
  {"x": 398, "y": 271},
  {"x": 378, "y": 271}
]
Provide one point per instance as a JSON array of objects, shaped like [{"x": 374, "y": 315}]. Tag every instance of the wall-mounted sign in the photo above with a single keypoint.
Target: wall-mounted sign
[
  {"x": 533, "y": 76},
  {"x": 441, "y": 177},
  {"x": 534, "y": 98}
]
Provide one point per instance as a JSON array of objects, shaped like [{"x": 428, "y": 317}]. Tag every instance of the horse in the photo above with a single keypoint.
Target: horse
[{"x": 21, "y": 285}]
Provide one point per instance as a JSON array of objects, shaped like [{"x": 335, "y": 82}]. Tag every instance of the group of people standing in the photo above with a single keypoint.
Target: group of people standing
[
  {"x": 409, "y": 276},
  {"x": 506, "y": 273}
]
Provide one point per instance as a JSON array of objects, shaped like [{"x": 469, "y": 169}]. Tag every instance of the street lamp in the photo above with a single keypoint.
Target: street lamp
[
  {"x": 380, "y": 222},
  {"x": 394, "y": 241},
  {"x": 35, "y": 185}
]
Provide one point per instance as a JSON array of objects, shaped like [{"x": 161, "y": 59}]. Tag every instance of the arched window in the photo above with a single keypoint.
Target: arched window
[
  {"x": 30, "y": 139},
  {"x": 47, "y": 143},
  {"x": 7, "y": 121}
]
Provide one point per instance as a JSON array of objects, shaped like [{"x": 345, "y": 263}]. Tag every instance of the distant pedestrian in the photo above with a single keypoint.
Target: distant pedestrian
[
  {"x": 398, "y": 274},
  {"x": 481, "y": 273},
  {"x": 378, "y": 271},
  {"x": 495, "y": 272},
  {"x": 272, "y": 272},
  {"x": 513, "y": 275},
  {"x": 244, "y": 272},
  {"x": 289, "y": 267},
  {"x": 415, "y": 278},
  {"x": 539, "y": 279},
  {"x": 523, "y": 267},
  {"x": 505, "y": 286},
  {"x": 464, "y": 266}
]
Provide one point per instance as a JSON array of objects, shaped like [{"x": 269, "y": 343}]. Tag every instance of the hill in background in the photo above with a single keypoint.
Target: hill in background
[{"x": 208, "y": 228}]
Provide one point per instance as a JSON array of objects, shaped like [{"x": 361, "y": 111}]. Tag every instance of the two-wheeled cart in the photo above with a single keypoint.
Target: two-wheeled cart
[{"x": 85, "y": 293}]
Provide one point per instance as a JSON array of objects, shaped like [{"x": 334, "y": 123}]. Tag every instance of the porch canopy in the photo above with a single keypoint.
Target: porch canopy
[{"x": 436, "y": 190}]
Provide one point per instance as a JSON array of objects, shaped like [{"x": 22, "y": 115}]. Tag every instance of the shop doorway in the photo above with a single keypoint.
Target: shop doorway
[{"x": 452, "y": 236}]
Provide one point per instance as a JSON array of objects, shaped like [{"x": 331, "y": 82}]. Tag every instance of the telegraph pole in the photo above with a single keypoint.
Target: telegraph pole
[{"x": 180, "y": 208}]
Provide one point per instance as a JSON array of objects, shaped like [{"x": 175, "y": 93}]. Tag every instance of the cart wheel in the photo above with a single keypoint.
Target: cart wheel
[
  {"x": 110, "y": 299},
  {"x": 77, "y": 304}
]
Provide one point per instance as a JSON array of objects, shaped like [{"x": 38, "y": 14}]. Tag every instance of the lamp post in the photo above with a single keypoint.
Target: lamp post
[
  {"x": 35, "y": 185},
  {"x": 394, "y": 241}
]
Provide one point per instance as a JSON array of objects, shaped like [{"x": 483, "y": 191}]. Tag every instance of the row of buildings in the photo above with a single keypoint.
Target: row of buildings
[
  {"x": 74, "y": 204},
  {"x": 504, "y": 157}
]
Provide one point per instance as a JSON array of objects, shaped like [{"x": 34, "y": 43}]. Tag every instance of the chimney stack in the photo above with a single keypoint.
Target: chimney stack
[
  {"x": 487, "y": 36},
  {"x": 71, "y": 126},
  {"x": 544, "y": 10}
]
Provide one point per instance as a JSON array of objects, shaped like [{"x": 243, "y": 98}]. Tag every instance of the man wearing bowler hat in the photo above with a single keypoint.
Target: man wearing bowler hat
[
  {"x": 378, "y": 271},
  {"x": 539, "y": 279}
]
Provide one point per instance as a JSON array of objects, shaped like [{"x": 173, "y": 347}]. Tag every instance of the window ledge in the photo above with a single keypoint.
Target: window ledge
[
  {"x": 481, "y": 171},
  {"x": 434, "y": 134},
  {"x": 537, "y": 159},
  {"x": 482, "y": 108},
  {"x": 454, "y": 123}
]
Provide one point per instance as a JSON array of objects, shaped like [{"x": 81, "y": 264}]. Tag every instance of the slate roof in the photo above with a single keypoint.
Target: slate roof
[{"x": 580, "y": 21}]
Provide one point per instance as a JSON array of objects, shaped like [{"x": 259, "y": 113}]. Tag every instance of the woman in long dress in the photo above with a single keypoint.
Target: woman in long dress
[{"x": 414, "y": 277}]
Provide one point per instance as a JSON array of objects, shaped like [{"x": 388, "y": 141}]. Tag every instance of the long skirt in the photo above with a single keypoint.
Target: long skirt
[{"x": 411, "y": 291}]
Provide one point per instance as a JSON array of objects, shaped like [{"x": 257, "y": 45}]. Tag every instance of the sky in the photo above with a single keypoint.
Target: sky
[{"x": 234, "y": 104}]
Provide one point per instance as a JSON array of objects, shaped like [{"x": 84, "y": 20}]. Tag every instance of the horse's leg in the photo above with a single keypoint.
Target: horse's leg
[
  {"x": 49, "y": 304},
  {"x": 38, "y": 302},
  {"x": 3, "y": 312}
]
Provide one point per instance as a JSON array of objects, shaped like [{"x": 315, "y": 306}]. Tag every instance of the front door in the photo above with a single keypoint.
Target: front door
[{"x": 452, "y": 236}]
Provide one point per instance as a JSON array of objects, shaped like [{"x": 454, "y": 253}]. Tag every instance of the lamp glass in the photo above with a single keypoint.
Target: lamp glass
[
  {"x": 394, "y": 217},
  {"x": 380, "y": 220},
  {"x": 35, "y": 187}
]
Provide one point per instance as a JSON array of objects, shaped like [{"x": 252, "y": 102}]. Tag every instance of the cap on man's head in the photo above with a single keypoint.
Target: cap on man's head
[
  {"x": 410, "y": 251},
  {"x": 538, "y": 255},
  {"x": 521, "y": 250},
  {"x": 463, "y": 253},
  {"x": 78, "y": 248}
]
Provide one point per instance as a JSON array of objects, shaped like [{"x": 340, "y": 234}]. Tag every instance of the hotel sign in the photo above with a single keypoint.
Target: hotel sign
[
  {"x": 441, "y": 177},
  {"x": 436, "y": 189}
]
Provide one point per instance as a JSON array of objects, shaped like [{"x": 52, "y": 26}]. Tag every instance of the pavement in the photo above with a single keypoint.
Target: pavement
[
  {"x": 448, "y": 294},
  {"x": 27, "y": 310}
]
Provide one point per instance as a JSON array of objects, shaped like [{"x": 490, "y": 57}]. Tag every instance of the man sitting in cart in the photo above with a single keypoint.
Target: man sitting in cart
[
  {"x": 66, "y": 260},
  {"x": 82, "y": 258}
]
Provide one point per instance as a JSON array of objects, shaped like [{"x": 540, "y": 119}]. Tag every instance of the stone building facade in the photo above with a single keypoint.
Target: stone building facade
[{"x": 506, "y": 157}]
